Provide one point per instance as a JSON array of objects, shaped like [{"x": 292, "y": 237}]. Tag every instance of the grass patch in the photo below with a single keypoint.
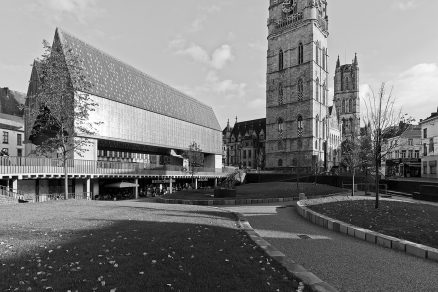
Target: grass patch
[
  {"x": 128, "y": 246},
  {"x": 414, "y": 222},
  {"x": 261, "y": 191}
]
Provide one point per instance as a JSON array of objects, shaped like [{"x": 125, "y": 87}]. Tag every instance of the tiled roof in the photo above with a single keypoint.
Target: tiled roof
[
  {"x": 248, "y": 127},
  {"x": 11, "y": 102},
  {"x": 117, "y": 81}
]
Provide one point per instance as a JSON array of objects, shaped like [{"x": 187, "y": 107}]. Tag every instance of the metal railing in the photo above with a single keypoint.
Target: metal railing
[
  {"x": 289, "y": 20},
  {"x": 31, "y": 165},
  {"x": 62, "y": 197}
]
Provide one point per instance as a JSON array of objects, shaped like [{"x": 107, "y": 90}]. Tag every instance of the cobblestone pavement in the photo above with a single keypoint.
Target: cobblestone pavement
[{"x": 345, "y": 262}]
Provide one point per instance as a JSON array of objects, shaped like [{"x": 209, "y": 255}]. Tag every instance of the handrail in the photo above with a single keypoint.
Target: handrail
[{"x": 37, "y": 165}]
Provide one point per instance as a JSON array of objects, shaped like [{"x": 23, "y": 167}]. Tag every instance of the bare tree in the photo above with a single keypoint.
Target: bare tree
[
  {"x": 194, "y": 157},
  {"x": 61, "y": 107},
  {"x": 381, "y": 116}
]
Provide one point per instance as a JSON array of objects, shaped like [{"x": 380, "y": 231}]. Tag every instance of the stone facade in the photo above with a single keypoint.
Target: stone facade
[
  {"x": 346, "y": 97},
  {"x": 429, "y": 140},
  {"x": 402, "y": 152},
  {"x": 297, "y": 109},
  {"x": 244, "y": 144},
  {"x": 11, "y": 122}
]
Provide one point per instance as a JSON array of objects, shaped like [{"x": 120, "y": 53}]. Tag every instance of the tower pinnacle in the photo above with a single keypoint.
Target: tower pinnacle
[
  {"x": 355, "y": 63},
  {"x": 338, "y": 63}
]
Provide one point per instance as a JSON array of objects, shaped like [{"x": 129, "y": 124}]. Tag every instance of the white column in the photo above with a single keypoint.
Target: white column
[
  {"x": 15, "y": 185},
  {"x": 170, "y": 189},
  {"x": 215, "y": 182},
  {"x": 95, "y": 188},
  {"x": 136, "y": 188},
  {"x": 88, "y": 188},
  {"x": 196, "y": 183}
]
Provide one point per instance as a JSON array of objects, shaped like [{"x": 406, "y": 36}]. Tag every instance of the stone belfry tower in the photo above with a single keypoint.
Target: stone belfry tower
[
  {"x": 296, "y": 85},
  {"x": 346, "y": 97}
]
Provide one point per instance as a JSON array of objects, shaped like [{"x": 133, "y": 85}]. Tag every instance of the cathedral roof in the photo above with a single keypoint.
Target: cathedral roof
[
  {"x": 117, "y": 81},
  {"x": 248, "y": 127}
]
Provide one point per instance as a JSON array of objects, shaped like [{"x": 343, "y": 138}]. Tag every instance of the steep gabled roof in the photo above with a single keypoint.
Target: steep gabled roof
[
  {"x": 249, "y": 126},
  {"x": 117, "y": 81}
]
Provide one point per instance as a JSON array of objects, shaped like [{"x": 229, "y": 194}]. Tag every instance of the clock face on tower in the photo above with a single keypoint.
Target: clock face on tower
[{"x": 289, "y": 6}]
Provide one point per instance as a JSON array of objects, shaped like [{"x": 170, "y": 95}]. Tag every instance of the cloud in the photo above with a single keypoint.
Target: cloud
[
  {"x": 405, "y": 4},
  {"x": 217, "y": 89},
  {"x": 218, "y": 59},
  {"x": 81, "y": 10},
  {"x": 199, "y": 21},
  {"x": 416, "y": 90},
  {"x": 226, "y": 88}
]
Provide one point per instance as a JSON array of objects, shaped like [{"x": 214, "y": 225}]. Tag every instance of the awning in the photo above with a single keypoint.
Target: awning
[{"x": 122, "y": 185}]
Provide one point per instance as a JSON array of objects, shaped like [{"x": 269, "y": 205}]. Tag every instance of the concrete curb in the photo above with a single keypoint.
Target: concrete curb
[
  {"x": 230, "y": 202},
  {"x": 299, "y": 273},
  {"x": 386, "y": 241}
]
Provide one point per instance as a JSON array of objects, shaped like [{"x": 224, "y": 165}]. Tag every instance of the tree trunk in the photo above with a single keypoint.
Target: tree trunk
[
  {"x": 354, "y": 172},
  {"x": 65, "y": 179}
]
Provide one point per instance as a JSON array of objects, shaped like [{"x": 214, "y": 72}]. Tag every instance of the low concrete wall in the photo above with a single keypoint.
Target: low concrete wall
[{"x": 409, "y": 247}]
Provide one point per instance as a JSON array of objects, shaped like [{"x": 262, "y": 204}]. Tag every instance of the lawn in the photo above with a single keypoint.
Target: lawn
[
  {"x": 261, "y": 191},
  {"x": 130, "y": 246},
  {"x": 408, "y": 221}
]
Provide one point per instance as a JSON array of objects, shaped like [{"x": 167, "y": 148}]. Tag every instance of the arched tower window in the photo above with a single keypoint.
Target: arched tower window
[
  {"x": 350, "y": 106},
  {"x": 324, "y": 93},
  {"x": 300, "y": 89},
  {"x": 280, "y": 162},
  {"x": 323, "y": 128},
  {"x": 317, "y": 89},
  {"x": 323, "y": 58},
  {"x": 346, "y": 84},
  {"x": 280, "y": 125},
  {"x": 280, "y": 60},
  {"x": 317, "y": 126},
  {"x": 300, "y": 126},
  {"x": 317, "y": 52},
  {"x": 300, "y": 53},
  {"x": 280, "y": 94}
]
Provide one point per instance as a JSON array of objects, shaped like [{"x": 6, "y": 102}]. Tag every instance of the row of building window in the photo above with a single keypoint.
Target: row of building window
[
  {"x": 6, "y": 138},
  {"x": 432, "y": 167},
  {"x": 5, "y": 152},
  {"x": 320, "y": 95},
  {"x": 405, "y": 154},
  {"x": 347, "y": 106},
  {"x": 300, "y": 126},
  {"x": 321, "y": 55},
  {"x": 431, "y": 147},
  {"x": 300, "y": 57}
]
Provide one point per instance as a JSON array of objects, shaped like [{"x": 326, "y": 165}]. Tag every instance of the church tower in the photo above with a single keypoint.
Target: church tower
[
  {"x": 346, "y": 97},
  {"x": 297, "y": 85}
]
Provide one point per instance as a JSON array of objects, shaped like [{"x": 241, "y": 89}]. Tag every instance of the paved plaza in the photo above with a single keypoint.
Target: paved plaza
[{"x": 345, "y": 262}]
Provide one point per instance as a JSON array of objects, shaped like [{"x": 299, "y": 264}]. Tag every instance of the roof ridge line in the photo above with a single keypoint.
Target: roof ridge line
[{"x": 61, "y": 31}]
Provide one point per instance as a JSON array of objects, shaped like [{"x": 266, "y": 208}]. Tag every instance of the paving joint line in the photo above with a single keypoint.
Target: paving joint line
[{"x": 298, "y": 272}]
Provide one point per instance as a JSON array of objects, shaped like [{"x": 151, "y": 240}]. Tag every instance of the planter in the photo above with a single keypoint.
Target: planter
[{"x": 225, "y": 193}]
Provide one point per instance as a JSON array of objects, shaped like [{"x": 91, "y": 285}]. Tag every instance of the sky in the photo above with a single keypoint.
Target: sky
[{"x": 215, "y": 51}]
